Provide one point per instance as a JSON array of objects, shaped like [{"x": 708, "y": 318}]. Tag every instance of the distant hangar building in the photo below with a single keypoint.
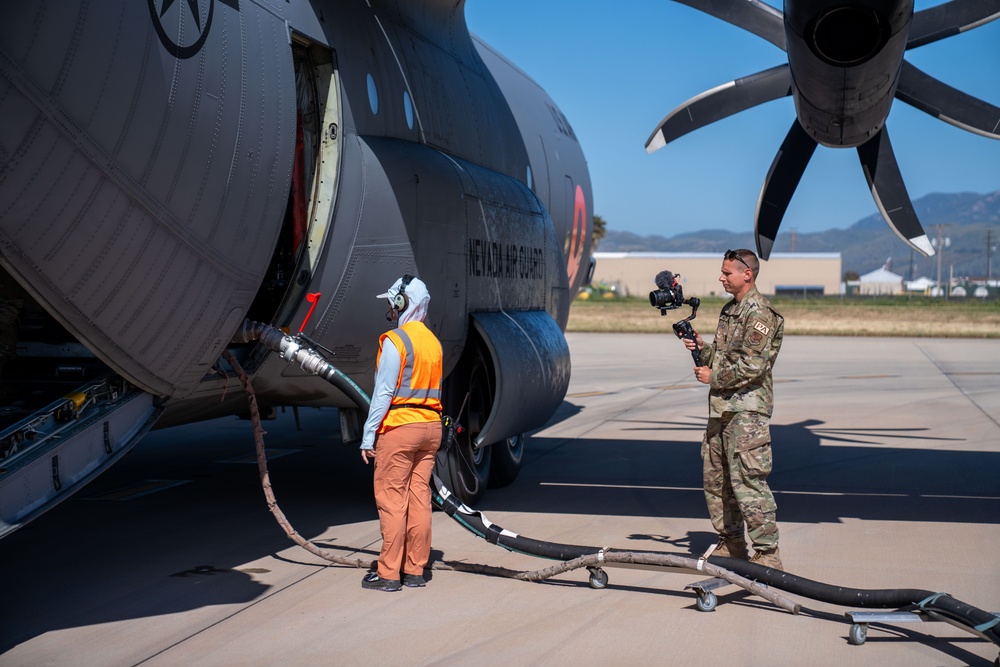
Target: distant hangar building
[{"x": 801, "y": 273}]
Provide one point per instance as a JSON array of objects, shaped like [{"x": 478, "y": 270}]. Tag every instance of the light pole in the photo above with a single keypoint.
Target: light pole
[
  {"x": 940, "y": 244},
  {"x": 989, "y": 253}
]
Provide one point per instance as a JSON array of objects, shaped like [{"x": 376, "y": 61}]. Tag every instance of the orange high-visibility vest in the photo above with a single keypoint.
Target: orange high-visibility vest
[{"x": 419, "y": 380}]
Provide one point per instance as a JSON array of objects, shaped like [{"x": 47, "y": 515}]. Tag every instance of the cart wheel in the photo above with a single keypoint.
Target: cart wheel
[
  {"x": 706, "y": 601},
  {"x": 858, "y": 633},
  {"x": 598, "y": 578}
]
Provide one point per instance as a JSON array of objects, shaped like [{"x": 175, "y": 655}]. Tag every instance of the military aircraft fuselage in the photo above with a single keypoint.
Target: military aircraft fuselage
[{"x": 172, "y": 169}]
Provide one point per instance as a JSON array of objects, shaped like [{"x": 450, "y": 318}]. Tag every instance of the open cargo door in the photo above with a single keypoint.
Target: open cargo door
[{"x": 141, "y": 207}]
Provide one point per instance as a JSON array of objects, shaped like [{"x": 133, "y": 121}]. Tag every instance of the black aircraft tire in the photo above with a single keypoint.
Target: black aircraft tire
[
  {"x": 465, "y": 471},
  {"x": 465, "y": 468},
  {"x": 507, "y": 457}
]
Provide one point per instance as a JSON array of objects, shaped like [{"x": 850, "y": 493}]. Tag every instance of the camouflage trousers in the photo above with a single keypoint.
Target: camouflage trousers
[{"x": 736, "y": 453}]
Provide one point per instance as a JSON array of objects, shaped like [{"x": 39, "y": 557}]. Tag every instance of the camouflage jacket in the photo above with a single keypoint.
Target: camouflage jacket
[{"x": 741, "y": 356}]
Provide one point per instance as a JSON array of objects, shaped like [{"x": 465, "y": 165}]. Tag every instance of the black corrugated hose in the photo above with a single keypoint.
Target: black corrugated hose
[{"x": 976, "y": 620}]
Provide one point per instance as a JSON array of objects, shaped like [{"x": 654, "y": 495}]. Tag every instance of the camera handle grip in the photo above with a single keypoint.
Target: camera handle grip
[{"x": 684, "y": 330}]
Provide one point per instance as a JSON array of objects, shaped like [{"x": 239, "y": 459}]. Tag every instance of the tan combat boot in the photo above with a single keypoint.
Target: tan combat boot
[
  {"x": 771, "y": 559},
  {"x": 731, "y": 547}
]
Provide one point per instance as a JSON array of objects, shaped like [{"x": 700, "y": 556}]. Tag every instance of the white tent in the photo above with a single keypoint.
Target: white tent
[
  {"x": 922, "y": 284},
  {"x": 881, "y": 281}
]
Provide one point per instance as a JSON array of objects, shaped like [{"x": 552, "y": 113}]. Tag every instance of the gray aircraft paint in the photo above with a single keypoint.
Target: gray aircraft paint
[
  {"x": 143, "y": 193},
  {"x": 148, "y": 156}
]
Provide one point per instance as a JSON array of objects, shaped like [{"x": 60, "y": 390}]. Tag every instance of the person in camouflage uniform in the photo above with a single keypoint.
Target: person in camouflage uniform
[{"x": 736, "y": 449}]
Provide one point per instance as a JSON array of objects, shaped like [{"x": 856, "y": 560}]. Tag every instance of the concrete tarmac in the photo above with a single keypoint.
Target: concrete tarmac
[{"x": 886, "y": 473}]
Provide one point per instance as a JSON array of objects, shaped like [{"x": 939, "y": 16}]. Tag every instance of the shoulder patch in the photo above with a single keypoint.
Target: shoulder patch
[{"x": 756, "y": 334}]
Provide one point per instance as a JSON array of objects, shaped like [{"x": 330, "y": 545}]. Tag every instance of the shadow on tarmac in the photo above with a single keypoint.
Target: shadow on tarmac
[
  {"x": 92, "y": 561},
  {"x": 868, "y": 474},
  {"x": 107, "y": 555}
]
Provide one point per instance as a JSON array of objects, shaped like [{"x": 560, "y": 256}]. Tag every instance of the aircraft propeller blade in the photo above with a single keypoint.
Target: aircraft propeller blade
[
  {"x": 751, "y": 15},
  {"x": 921, "y": 90},
  {"x": 779, "y": 186},
  {"x": 882, "y": 173},
  {"x": 944, "y": 20},
  {"x": 721, "y": 102}
]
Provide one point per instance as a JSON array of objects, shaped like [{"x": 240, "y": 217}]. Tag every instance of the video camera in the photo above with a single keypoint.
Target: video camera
[{"x": 670, "y": 296}]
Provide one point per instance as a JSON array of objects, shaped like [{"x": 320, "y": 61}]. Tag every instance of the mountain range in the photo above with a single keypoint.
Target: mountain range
[{"x": 967, "y": 220}]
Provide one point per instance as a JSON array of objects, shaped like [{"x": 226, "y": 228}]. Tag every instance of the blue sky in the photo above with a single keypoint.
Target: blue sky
[{"x": 616, "y": 69}]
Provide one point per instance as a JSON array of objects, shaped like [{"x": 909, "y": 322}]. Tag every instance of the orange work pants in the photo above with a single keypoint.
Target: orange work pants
[{"x": 404, "y": 460}]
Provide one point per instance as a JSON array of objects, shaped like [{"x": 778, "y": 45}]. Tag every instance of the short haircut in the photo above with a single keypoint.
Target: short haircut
[{"x": 747, "y": 257}]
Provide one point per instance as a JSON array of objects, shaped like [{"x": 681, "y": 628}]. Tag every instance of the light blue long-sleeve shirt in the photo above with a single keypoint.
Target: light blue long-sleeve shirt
[{"x": 386, "y": 374}]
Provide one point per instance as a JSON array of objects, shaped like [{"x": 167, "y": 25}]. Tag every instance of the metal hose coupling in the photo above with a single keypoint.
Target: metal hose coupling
[
  {"x": 295, "y": 349},
  {"x": 291, "y": 348}
]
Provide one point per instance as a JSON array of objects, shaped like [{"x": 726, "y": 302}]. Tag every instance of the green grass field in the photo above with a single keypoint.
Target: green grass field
[{"x": 826, "y": 316}]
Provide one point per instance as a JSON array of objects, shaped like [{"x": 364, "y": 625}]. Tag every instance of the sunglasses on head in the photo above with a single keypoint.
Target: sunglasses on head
[{"x": 732, "y": 254}]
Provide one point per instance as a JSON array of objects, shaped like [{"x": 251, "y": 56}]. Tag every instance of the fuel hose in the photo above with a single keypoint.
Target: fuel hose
[{"x": 971, "y": 618}]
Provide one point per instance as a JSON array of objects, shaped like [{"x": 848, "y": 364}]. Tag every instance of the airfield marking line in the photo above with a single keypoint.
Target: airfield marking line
[
  {"x": 139, "y": 490},
  {"x": 954, "y": 384},
  {"x": 616, "y": 416},
  {"x": 973, "y": 373},
  {"x": 622, "y": 486},
  {"x": 698, "y": 488},
  {"x": 790, "y": 493},
  {"x": 320, "y": 567}
]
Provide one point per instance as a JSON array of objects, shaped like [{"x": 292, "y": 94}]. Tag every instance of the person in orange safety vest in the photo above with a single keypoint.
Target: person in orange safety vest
[{"x": 402, "y": 435}]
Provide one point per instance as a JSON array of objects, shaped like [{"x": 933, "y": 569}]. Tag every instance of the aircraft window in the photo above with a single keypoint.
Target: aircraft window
[
  {"x": 372, "y": 95},
  {"x": 408, "y": 109},
  {"x": 531, "y": 183}
]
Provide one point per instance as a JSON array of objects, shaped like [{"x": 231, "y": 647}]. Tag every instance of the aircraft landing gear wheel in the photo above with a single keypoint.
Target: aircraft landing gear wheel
[
  {"x": 598, "y": 578},
  {"x": 506, "y": 460},
  {"x": 465, "y": 467},
  {"x": 706, "y": 601},
  {"x": 858, "y": 634}
]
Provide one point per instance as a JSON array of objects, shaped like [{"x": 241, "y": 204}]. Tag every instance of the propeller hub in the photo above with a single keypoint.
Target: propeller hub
[{"x": 847, "y": 36}]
